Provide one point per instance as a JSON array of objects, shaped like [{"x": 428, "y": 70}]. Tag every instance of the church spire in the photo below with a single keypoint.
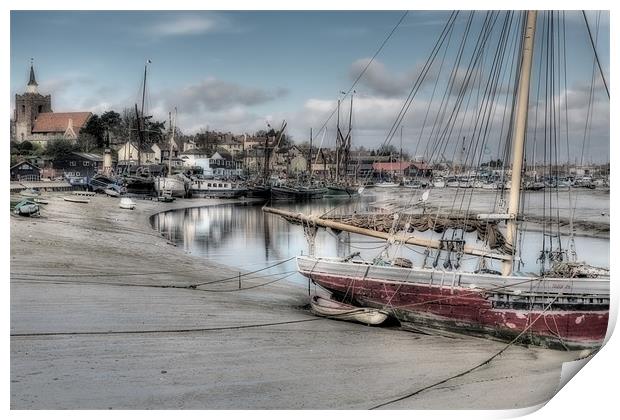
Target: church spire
[{"x": 32, "y": 83}]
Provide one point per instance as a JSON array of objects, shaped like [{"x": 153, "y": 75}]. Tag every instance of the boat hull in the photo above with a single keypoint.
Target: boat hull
[
  {"x": 175, "y": 186},
  {"x": 341, "y": 191},
  {"x": 485, "y": 305},
  {"x": 293, "y": 194},
  {"x": 218, "y": 193},
  {"x": 258, "y": 191}
]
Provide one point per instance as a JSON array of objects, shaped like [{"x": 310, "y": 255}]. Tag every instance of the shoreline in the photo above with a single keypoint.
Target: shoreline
[{"x": 95, "y": 273}]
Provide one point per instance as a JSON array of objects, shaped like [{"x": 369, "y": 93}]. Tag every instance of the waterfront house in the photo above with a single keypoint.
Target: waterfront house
[
  {"x": 219, "y": 164},
  {"x": 77, "y": 167},
  {"x": 25, "y": 171}
]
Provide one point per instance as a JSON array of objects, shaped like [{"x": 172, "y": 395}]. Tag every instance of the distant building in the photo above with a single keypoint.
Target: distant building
[
  {"x": 25, "y": 171},
  {"x": 34, "y": 120},
  {"x": 128, "y": 154},
  {"x": 58, "y": 125},
  {"x": 77, "y": 167},
  {"x": 218, "y": 164},
  {"x": 402, "y": 168}
]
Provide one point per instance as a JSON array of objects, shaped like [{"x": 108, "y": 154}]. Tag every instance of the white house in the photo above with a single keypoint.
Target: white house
[
  {"x": 215, "y": 165},
  {"x": 128, "y": 154}
]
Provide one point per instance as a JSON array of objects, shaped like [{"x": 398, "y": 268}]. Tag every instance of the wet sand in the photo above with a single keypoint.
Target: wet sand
[{"x": 104, "y": 339}]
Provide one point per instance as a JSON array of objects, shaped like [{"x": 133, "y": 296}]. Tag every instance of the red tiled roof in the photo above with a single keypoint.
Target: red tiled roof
[
  {"x": 57, "y": 122},
  {"x": 390, "y": 166},
  {"x": 422, "y": 166}
]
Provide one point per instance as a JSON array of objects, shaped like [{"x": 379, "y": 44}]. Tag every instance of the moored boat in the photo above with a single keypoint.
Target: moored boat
[
  {"x": 30, "y": 192},
  {"x": 297, "y": 193},
  {"x": 342, "y": 190},
  {"x": 553, "y": 311},
  {"x": 127, "y": 203},
  {"x": 563, "y": 305},
  {"x": 216, "y": 188},
  {"x": 338, "y": 310},
  {"x": 386, "y": 184},
  {"x": 176, "y": 185},
  {"x": 26, "y": 207},
  {"x": 76, "y": 199}
]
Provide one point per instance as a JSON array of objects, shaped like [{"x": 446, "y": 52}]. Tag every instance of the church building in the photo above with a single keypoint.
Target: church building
[{"x": 35, "y": 121}]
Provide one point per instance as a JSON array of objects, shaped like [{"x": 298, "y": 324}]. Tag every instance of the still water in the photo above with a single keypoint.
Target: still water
[{"x": 242, "y": 236}]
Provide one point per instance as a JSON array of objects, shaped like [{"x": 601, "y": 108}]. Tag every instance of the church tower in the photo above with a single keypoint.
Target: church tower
[{"x": 28, "y": 106}]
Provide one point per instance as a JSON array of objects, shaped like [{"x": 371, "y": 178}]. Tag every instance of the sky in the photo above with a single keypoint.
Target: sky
[{"x": 238, "y": 71}]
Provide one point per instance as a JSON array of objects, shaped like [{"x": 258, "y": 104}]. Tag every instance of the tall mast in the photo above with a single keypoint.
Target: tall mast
[
  {"x": 338, "y": 142},
  {"x": 310, "y": 157},
  {"x": 348, "y": 142},
  {"x": 400, "y": 156},
  {"x": 140, "y": 133},
  {"x": 519, "y": 136},
  {"x": 141, "y": 116},
  {"x": 172, "y": 125}
]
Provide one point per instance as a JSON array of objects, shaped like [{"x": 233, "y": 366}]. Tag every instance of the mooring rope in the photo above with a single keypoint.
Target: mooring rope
[{"x": 465, "y": 372}]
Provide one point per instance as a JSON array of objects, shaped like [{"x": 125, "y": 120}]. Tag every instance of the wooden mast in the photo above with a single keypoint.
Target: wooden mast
[
  {"x": 172, "y": 125},
  {"x": 141, "y": 116},
  {"x": 407, "y": 239},
  {"x": 519, "y": 136},
  {"x": 338, "y": 143}
]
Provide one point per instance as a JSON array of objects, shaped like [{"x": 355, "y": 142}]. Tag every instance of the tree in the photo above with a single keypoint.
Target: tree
[
  {"x": 386, "y": 150},
  {"x": 14, "y": 148},
  {"x": 25, "y": 147},
  {"x": 112, "y": 124},
  {"x": 59, "y": 148},
  {"x": 87, "y": 143},
  {"x": 155, "y": 130},
  {"x": 95, "y": 128}
]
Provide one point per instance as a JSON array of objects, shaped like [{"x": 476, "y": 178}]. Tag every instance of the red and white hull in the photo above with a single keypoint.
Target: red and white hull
[{"x": 550, "y": 312}]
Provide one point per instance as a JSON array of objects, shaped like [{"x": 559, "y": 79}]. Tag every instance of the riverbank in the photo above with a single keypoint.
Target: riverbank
[{"x": 95, "y": 324}]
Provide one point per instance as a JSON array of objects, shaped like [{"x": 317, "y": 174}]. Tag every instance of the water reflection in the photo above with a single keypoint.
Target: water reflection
[{"x": 242, "y": 236}]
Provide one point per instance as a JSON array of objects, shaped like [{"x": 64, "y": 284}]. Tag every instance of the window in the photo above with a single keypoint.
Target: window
[
  {"x": 72, "y": 163},
  {"x": 77, "y": 173},
  {"x": 40, "y": 108},
  {"x": 23, "y": 109},
  {"x": 85, "y": 163}
]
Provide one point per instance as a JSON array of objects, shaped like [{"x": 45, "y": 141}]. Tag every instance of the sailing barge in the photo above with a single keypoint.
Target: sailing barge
[{"x": 565, "y": 306}]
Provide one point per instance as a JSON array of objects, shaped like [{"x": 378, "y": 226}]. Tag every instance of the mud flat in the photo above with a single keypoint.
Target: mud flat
[{"x": 93, "y": 328}]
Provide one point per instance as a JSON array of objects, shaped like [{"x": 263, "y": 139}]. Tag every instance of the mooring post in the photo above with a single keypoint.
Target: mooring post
[
  {"x": 239, "y": 280},
  {"x": 308, "y": 286}
]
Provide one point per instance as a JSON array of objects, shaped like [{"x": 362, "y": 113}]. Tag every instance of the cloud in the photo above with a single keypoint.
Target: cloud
[
  {"x": 383, "y": 82},
  {"x": 216, "y": 95},
  {"x": 188, "y": 25}
]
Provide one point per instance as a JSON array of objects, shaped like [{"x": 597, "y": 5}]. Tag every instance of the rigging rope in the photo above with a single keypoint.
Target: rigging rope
[{"x": 585, "y": 19}]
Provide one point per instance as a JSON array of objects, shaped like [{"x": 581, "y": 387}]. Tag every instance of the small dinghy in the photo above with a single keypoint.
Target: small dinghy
[
  {"x": 30, "y": 192},
  {"x": 127, "y": 203},
  {"x": 111, "y": 192},
  {"x": 76, "y": 199},
  {"x": 26, "y": 208},
  {"x": 342, "y": 311},
  {"x": 41, "y": 201}
]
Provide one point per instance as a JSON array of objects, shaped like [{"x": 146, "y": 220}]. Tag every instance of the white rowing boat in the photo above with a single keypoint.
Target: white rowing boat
[
  {"x": 76, "y": 199},
  {"x": 342, "y": 311}
]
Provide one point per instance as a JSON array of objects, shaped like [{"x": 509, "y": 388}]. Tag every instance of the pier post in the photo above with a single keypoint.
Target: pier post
[{"x": 239, "y": 280}]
